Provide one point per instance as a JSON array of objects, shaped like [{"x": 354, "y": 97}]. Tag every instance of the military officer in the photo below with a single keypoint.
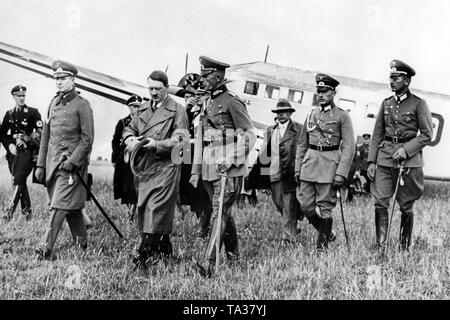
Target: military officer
[
  {"x": 66, "y": 144},
  {"x": 224, "y": 138},
  {"x": 20, "y": 135},
  {"x": 324, "y": 155},
  {"x": 396, "y": 140}
]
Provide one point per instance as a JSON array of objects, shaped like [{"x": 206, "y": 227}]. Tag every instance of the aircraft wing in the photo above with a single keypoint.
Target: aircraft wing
[{"x": 89, "y": 80}]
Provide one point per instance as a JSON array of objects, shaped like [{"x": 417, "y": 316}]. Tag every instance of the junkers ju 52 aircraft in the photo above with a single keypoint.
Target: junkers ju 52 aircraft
[{"x": 260, "y": 85}]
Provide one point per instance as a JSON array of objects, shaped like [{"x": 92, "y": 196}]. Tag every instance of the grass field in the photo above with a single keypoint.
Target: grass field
[{"x": 265, "y": 271}]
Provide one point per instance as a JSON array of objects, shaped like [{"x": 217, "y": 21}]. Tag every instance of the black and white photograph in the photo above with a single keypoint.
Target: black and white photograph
[{"x": 224, "y": 155}]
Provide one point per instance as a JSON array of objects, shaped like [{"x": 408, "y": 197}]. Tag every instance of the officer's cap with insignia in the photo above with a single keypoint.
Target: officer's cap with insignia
[
  {"x": 188, "y": 84},
  {"x": 19, "y": 90},
  {"x": 325, "y": 81},
  {"x": 209, "y": 65},
  {"x": 134, "y": 101},
  {"x": 399, "y": 67},
  {"x": 63, "y": 68},
  {"x": 283, "y": 105}
]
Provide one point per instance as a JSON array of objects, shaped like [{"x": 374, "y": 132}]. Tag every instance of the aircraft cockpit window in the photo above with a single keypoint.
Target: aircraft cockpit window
[
  {"x": 348, "y": 105},
  {"x": 295, "y": 96},
  {"x": 251, "y": 88},
  {"x": 272, "y": 92}
]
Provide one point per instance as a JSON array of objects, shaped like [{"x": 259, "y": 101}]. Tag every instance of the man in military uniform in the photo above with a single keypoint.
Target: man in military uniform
[
  {"x": 224, "y": 139},
  {"x": 123, "y": 179},
  {"x": 20, "y": 135},
  {"x": 197, "y": 198},
  {"x": 324, "y": 155},
  {"x": 66, "y": 144},
  {"x": 395, "y": 140}
]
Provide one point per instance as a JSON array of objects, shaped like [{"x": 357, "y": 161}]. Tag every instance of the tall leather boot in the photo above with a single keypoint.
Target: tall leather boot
[
  {"x": 25, "y": 202},
  {"x": 205, "y": 217},
  {"x": 406, "y": 227},
  {"x": 315, "y": 220},
  {"x": 143, "y": 252},
  {"x": 381, "y": 226},
  {"x": 230, "y": 240},
  {"x": 324, "y": 231},
  {"x": 13, "y": 203}
]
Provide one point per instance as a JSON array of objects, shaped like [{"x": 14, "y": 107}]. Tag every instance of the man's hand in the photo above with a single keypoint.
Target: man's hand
[
  {"x": 12, "y": 148},
  {"x": 150, "y": 143},
  {"x": 297, "y": 177},
  {"x": 339, "y": 181},
  {"x": 194, "y": 180},
  {"x": 67, "y": 165},
  {"x": 371, "y": 171},
  {"x": 40, "y": 174},
  {"x": 20, "y": 143},
  {"x": 190, "y": 103},
  {"x": 222, "y": 165},
  {"x": 400, "y": 154}
]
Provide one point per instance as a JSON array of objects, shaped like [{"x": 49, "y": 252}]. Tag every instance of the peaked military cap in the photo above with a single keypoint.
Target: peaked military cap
[
  {"x": 63, "y": 68},
  {"x": 323, "y": 80},
  {"x": 400, "y": 67},
  {"x": 209, "y": 65},
  {"x": 134, "y": 100},
  {"x": 283, "y": 105},
  {"x": 366, "y": 135},
  {"x": 19, "y": 89},
  {"x": 188, "y": 84}
]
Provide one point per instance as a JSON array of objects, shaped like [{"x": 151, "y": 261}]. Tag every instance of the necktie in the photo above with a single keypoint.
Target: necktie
[{"x": 154, "y": 106}]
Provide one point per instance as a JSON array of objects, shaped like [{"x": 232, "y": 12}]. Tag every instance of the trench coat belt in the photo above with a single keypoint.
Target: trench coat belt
[
  {"x": 323, "y": 148},
  {"x": 396, "y": 139},
  {"x": 214, "y": 143}
]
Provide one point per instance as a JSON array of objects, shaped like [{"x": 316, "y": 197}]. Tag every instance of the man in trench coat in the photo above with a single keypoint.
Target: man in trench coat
[
  {"x": 66, "y": 144},
  {"x": 159, "y": 126}
]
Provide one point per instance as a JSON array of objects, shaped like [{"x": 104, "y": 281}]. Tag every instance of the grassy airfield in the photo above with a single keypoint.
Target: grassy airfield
[{"x": 266, "y": 270}]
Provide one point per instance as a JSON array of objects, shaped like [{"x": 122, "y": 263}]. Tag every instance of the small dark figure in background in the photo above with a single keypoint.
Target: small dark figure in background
[
  {"x": 20, "y": 134},
  {"x": 358, "y": 182},
  {"x": 124, "y": 180}
]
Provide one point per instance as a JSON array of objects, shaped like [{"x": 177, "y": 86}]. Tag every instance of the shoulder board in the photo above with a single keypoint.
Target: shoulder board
[
  {"x": 234, "y": 95},
  {"x": 388, "y": 98}
]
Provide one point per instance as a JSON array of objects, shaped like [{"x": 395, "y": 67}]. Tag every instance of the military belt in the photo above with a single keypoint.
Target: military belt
[
  {"x": 323, "y": 148},
  {"x": 396, "y": 139}
]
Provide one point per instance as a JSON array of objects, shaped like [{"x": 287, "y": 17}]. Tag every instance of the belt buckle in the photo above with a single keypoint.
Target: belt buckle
[
  {"x": 395, "y": 139},
  {"x": 319, "y": 148}
]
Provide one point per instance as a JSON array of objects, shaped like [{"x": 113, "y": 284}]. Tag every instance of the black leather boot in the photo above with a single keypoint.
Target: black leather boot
[
  {"x": 381, "y": 226},
  {"x": 25, "y": 203},
  {"x": 324, "y": 232},
  {"x": 9, "y": 212},
  {"x": 315, "y": 220},
  {"x": 230, "y": 240},
  {"x": 406, "y": 227},
  {"x": 205, "y": 217}
]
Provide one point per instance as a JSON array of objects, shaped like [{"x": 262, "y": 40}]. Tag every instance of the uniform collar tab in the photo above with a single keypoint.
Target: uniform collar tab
[{"x": 218, "y": 91}]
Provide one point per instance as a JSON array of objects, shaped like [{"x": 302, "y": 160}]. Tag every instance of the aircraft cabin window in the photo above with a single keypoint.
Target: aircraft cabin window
[
  {"x": 251, "y": 88},
  {"x": 295, "y": 96},
  {"x": 272, "y": 92},
  {"x": 347, "y": 105}
]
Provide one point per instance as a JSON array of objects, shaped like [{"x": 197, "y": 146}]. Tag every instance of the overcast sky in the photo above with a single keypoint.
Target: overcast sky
[{"x": 129, "y": 39}]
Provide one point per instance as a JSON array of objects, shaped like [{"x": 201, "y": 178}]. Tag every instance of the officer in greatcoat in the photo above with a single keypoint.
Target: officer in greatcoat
[
  {"x": 20, "y": 135},
  {"x": 324, "y": 156},
  {"x": 66, "y": 144},
  {"x": 153, "y": 138},
  {"x": 402, "y": 129},
  {"x": 223, "y": 141},
  {"x": 123, "y": 179}
]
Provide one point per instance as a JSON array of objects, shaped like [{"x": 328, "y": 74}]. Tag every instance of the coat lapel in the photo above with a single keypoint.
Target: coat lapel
[
  {"x": 165, "y": 111},
  {"x": 290, "y": 132}
]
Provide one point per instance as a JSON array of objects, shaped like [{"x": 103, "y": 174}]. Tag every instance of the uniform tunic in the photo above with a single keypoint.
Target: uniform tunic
[
  {"x": 327, "y": 127},
  {"x": 27, "y": 122},
  {"x": 407, "y": 117},
  {"x": 69, "y": 130}
]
